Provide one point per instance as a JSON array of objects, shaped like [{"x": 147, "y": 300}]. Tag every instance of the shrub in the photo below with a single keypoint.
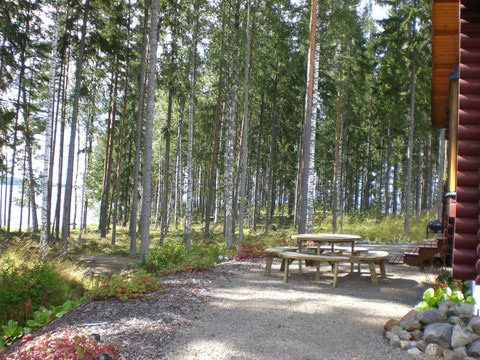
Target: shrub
[
  {"x": 24, "y": 290},
  {"x": 445, "y": 288},
  {"x": 126, "y": 285},
  {"x": 250, "y": 251},
  {"x": 173, "y": 256},
  {"x": 66, "y": 344}
]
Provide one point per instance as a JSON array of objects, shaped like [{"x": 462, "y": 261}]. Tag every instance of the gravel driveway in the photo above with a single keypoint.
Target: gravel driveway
[{"x": 257, "y": 317}]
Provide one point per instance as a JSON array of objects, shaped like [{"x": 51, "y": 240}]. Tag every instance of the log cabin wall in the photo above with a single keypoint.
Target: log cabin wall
[{"x": 466, "y": 250}]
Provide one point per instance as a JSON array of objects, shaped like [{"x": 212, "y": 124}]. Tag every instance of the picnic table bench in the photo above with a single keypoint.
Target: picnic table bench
[{"x": 372, "y": 258}]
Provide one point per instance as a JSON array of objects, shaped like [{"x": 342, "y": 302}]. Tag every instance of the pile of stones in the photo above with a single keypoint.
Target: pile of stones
[{"x": 451, "y": 331}]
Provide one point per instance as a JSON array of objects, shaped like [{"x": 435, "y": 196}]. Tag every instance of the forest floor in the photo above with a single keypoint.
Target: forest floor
[{"x": 233, "y": 312}]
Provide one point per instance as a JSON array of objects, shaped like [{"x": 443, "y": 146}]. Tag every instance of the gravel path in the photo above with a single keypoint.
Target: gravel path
[
  {"x": 257, "y": 317},
  {"x": 232, "y": 312}
]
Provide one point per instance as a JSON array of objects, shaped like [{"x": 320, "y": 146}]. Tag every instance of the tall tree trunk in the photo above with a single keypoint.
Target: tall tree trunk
[
  {"x": 273, "y": 149},
  {"x": 83, "y": 217},
  {"x": 228, "y": 160},
  {"x": 165, "y": 193},
  {"x": 29, "y": 156},
  {"x": 208, "y": 207},
  {"x": 313, "y": 130},
  {"x": 336, "y": 172},
  {"x": 104, "y": 204},
  {"x": 15, "y": 129},
  {"x": 258, "y": 163},
  {"x": 73, "y": 132},
  {"x": 441, "y": 171},
  {"x": 307, "y": 129},
  {"x": 119, "y": 157},
  {"x": 191, "y": 123},
  {"x": 178, "y": 169},
  {"x": 147, "y": 154},
  {"x": 408, "y": 190},
  {"x": 138, "y": 138},
  {"x": 45, "y": 231},
  {"x": 418, "y": 190},
  {"x": 388, "y": 167},
  {"x": 244, "y": 163}
]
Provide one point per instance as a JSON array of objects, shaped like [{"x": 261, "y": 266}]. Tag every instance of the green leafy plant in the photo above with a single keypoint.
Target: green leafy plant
[
  {"x": 11, "y": 332},
  {"x": 126, "y": 285},
  {"x": 445, "y": 288},
  {"x": 173, "y": 256}
]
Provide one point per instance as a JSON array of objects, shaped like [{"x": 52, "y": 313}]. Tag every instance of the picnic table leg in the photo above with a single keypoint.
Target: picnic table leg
[
  {"x": 282, "y": 266},
  {"x": 335, "y": 274},
  {"x": 383, "y": 273},
  {"x": 318, "y": 271},
  {"x": 373, "y": 274},
  {"x": 285, "y": 274},
  {"x": 268, "y": 266},
  {"x": 299, "y": 243}
]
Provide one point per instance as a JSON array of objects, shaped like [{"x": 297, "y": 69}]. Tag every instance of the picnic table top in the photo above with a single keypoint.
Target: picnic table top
[{"x": 326, "y": 237}]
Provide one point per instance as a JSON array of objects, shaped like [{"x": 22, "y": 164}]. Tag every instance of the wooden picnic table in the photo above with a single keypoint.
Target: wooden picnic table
[{"x": 321, "y": 238}]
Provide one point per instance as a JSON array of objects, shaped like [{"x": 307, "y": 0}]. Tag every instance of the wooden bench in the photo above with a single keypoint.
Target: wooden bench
[
  {"x": 372, "y": 258},
  {"x": 274, "y": 252}
]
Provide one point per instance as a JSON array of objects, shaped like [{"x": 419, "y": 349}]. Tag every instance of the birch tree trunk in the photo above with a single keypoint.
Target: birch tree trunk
[
  {"x": 138, "y": 139},
  {"x": 144, "y": 225},
  {"x": 73, "y": 130},
  {"x": 302, "y": 224},
  {"x": 313, "y": 131},
  {"x": 191, "y": 123},
  {"x": 45, "y": 230},
  {"x": 244, "y": 164},
  {"x": 336, "y": 172}
]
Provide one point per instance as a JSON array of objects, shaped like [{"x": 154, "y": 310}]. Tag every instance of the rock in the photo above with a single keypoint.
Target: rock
[
  {"x": 416, "y": 325},
  {"x": 463, "y": 310},
  {"x": 96, "y": 337},
  {"x": 413, "y": 351},
  {"x": 421, "y": 345},
  {"x": 416, "y": 335},
  {"x": 404, "y": 344},
  {"x": 462, "y": 351},
  {"x": 395, "y": 341},
  {"x": 455, "y": 320},
  {"x": 475, "y": 324},
  {"x": 474, "y": 349},
  {"x": 460, "y": 337},
  {"x": 390, "y": 324},
  {"x": 408, "y": 319},
  {"x": 388, "y": 335},
  {"x": 445, "y": 305},
  {"x": 438, "y": 333},
  {"x": 451, "y": 355},
  {"x": 433, "y": 350},
  {"x": 475, "y": 337},
  {"x": 405, "y": 335},
  {"x": 105, "y": 357},
  {"x": 431, "y": 316},
  {"x": 395, "y": 330}
]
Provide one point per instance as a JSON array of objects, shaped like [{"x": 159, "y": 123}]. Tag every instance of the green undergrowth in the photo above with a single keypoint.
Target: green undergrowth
[
  {"x": 28, "y": 283},
  {"x": 129, "y": 284},
  {"x": 378, "y": 228}
]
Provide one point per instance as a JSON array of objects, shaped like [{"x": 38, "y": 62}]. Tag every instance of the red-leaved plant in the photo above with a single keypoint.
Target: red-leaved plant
[
  {"x": 66, "y": 344},
  {"x": 249, "y": 251}
]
